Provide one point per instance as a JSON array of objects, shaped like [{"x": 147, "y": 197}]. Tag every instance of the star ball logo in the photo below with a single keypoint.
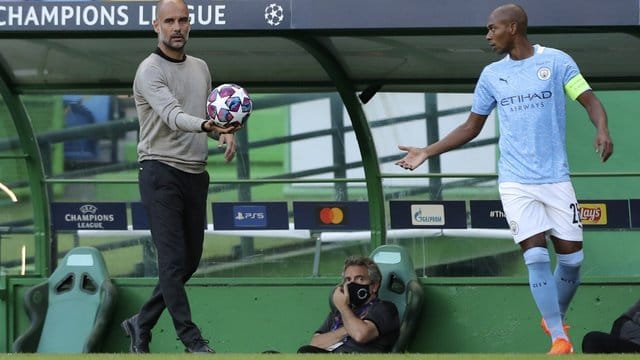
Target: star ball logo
[
  {"x": 332, "y": 215},
  {"x": 274, "y": 14}
]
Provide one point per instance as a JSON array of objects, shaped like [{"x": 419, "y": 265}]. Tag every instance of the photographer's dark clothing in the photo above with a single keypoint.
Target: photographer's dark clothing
[
  {"x": 623, "y": 338},
  {"x": 382, "y": 313}
]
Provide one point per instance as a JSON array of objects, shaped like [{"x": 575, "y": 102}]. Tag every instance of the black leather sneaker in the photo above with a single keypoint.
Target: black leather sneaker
[
  {"x": 200, "y": 346},
  {"x": 139, "y": 341}
]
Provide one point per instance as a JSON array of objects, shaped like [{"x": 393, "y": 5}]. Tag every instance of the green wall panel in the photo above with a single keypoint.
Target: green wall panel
[
  {"x": 624, "y": 129},
  {"x": 486, "y": 315}
]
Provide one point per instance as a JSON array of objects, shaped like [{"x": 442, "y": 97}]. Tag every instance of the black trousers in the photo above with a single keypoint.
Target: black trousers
[
  {"x": 175, "y": 202},
  {"x": 597, "y": 342}
]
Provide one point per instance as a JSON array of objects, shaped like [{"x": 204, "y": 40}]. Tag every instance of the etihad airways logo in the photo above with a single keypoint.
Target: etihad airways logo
[{"x": 525, "y": 98}]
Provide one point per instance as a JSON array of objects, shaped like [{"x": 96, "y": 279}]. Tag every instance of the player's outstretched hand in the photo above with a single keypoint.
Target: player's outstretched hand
[{"x": 415, "y": 157}]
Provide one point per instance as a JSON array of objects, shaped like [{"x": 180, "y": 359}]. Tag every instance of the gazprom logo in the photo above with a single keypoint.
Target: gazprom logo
[{"x": 427, "y": 215}]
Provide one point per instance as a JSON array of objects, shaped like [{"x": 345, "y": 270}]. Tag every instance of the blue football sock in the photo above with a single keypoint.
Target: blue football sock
[
  {"x": 543, "y": 288},
  {"x": 567, "y": 276}
]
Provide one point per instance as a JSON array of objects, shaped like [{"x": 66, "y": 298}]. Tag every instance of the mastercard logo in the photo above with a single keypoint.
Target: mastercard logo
[{"x": 331, "y": 215}]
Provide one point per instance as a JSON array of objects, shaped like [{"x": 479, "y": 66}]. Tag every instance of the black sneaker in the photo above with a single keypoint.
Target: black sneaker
[
  {"x": 199, "y": 346},
  {"x": 139, "y": 341}
]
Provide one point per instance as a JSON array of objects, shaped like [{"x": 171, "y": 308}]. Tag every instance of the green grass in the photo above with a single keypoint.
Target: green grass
[{"x": 319, "y": 356}]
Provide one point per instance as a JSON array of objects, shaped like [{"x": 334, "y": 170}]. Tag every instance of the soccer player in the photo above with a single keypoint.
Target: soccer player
[{"x": 528, "y": 87}]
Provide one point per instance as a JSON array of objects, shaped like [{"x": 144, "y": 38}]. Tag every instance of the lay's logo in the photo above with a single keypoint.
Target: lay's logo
[{"x": 593, "y": 214}]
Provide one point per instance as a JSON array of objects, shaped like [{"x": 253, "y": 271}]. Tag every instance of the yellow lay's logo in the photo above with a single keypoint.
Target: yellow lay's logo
[{"x": 593, "y": 214}]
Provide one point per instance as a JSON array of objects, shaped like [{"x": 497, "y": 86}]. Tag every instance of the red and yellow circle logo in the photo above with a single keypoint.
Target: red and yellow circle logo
[{"x": 331, "y": 216}]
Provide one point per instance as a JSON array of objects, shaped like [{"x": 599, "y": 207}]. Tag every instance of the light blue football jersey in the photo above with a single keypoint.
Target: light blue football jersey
[{"x": 530, "y": 100}]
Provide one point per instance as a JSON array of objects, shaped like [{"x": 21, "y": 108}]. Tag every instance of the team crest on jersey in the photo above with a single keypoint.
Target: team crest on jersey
[
  {"x": 513, "y": 226},
  {"x": 544, "y": 73}
]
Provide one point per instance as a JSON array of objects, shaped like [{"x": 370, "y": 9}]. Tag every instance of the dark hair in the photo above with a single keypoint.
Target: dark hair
[
  {"x": 515, "y": 13},
  {"x": 374, "y": 271}
]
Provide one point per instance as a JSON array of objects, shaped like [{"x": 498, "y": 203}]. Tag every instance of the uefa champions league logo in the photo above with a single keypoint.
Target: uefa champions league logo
[{"x": 274, "y": 14}]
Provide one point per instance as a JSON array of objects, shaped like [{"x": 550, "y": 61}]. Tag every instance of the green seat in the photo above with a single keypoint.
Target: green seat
[
  {"x": 69, "y": 313},
  {"x": 400, "y": 285}
]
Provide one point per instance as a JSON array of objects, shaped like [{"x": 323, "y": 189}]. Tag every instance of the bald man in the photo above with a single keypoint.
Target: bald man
[
  {"x": 528, "y": 87},
  {"x": 170, "y": 91}
]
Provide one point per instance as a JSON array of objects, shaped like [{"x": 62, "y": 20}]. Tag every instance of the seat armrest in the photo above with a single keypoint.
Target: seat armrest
[
  {"x": 409, "y": 322},
  {"x": 108, "y": 295},
  {"x": 36, "y": 300}
]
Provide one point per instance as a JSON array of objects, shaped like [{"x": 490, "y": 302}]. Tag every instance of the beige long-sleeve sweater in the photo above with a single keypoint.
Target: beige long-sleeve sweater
[{"x": 170, "y": 98}]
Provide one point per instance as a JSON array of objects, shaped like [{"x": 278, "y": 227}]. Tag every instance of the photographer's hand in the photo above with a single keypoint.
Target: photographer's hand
[{"x": 341, "y": 297}]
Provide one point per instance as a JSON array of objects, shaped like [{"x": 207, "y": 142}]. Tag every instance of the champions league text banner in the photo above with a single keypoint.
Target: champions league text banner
[
  {"x": 139, "y": 15},
  {"x": 31, "y": 16},
  {"x": 89, "y": 216}
]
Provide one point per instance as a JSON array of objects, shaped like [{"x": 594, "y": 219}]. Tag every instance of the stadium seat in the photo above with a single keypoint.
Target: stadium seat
[
  {"x": 70, "y": 311},
  {"x": 400, "y": 285}
]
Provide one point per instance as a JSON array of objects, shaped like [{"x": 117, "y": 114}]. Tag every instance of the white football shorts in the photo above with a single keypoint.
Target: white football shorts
[{"x": 541, "y": 208}]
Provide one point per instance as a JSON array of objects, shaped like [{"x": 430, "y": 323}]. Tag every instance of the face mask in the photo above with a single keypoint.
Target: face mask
[{"x": 358, "y": 294}]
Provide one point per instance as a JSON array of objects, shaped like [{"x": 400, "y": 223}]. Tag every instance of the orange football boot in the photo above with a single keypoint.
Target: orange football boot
[{"x": 561, "y": 346}]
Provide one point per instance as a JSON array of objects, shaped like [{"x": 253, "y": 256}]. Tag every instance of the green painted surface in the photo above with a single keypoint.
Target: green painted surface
[
  {"x": 459, "y": 315},
  {"x": 3, "y": 313},
  {"x": 497, "y": 318},
  {"x": 624, "y": 129}
]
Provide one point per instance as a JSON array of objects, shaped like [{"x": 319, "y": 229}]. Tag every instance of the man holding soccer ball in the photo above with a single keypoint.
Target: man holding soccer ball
[
  {"x": 528, "y": 88},
  {"x": 170, "y": 91}
]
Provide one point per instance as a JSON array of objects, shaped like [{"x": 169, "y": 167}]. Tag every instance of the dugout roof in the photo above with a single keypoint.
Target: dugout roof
[{"x": 299, "y": 45}]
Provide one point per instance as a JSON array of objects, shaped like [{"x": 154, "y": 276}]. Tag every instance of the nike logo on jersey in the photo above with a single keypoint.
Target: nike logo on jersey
[{"x": 505, "y": 80}]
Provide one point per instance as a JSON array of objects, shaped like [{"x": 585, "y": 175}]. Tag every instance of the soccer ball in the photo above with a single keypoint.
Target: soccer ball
[{"x": 229, "y": 105}]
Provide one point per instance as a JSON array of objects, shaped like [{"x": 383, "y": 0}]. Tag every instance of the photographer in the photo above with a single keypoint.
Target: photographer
[{"x": 360, "y": 322}]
